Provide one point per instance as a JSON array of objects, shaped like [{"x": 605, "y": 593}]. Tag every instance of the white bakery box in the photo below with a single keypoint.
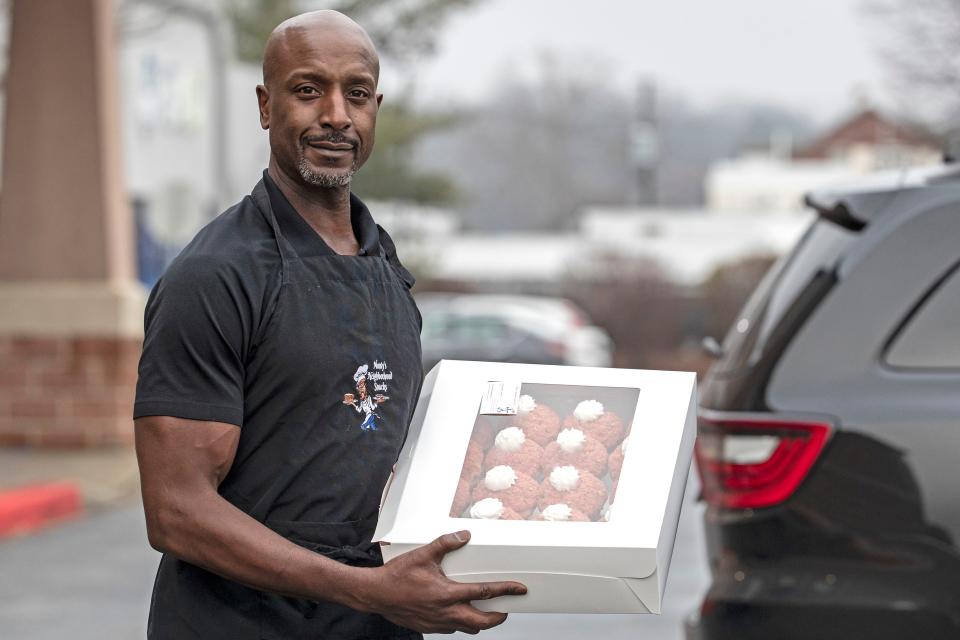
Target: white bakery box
[{"x": 465, "y": 465}]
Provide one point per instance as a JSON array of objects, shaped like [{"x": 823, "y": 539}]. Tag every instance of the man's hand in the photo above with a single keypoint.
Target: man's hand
[{"x": 411, "y": 590}]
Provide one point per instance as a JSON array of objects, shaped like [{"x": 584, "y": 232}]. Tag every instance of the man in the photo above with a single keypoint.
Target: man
[{"x": 258, "y": 484}]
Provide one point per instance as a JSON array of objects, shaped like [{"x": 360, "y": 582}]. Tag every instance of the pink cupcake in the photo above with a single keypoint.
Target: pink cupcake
[
  {"x": 483, "y": 432},
  {"x": 518, "y": 491},
  {"x": 616, "y": 460},
  {"x": 493, "y": 509},
  {"x": 593, "y": 420},
  {"x": 580, "y": 490},
  {"x": 561, "y": 512},
  {"x": 472, "y": 462},
  {"x": 461, "y": 499},
  {"x": 513, "y": 448},
  {"x": 574, "y": 447},
  {"x": 538, "y": 421}
]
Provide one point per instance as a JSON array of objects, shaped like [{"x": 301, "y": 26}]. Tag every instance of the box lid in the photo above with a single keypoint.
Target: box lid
[{"x": 633, "y": 544}]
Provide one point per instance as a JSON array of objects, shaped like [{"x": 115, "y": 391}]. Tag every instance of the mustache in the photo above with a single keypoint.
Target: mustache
[{"x": 332, "y": 138}]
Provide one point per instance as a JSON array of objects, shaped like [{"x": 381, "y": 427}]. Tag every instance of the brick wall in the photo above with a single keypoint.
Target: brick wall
[{"x": 67, "y": 392}]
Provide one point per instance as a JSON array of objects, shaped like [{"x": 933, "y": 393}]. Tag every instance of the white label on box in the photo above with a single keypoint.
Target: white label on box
[{"x": 501, "y": 399}]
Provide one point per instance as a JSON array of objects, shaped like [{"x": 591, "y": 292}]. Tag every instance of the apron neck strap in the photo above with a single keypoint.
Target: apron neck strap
[{"x": 262, "y": 199}]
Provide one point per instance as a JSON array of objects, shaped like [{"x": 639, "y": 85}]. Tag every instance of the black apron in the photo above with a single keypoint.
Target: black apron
[{"x": 312, "y": 462}]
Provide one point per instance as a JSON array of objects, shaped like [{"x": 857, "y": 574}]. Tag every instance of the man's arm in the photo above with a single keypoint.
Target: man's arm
[{"x": 182, "y": 462}]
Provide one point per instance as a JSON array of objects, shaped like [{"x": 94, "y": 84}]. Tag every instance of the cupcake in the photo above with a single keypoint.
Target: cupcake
[
  {"x": 616, "y": 460},
  {"x": 561, "y": 512},
  {"x": 538, "y": 421},
  {"x": 461, "y": 499},
  {"x": 484, "y": 432},
  {"x": 574, "y": 447},
  {"x": 518, "y": 491},
  {"x": 602, "y": 425},
  {"x": 513, "y": 448},
  {"x": 472, "y": 463},
  {"x": 493, "y": 509},
  {"x": 580, "y": 490}
]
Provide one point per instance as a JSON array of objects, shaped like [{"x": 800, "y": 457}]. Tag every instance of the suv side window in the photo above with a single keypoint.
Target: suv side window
[{"x": 930, "y": 339}]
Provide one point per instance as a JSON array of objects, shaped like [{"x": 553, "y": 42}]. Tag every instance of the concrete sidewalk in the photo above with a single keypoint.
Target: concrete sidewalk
[{"x": 39, "y": 487}]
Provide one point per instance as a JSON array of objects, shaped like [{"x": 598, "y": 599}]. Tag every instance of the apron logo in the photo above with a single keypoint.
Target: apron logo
[{"x": 363, "y": 402}]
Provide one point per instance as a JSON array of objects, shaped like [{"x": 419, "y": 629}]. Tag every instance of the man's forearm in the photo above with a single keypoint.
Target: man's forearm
[{"x": 213, "y": 534}]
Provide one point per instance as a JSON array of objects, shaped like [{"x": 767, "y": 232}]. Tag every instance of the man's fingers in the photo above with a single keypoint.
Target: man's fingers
[
  {"x": 447, "y": 543},
  {"x": 488, "y": 590},
  {"x": 481, "y": 620}
]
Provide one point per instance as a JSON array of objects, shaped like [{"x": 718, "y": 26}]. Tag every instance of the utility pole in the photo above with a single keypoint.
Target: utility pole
[{"x": 645, "y": 145}]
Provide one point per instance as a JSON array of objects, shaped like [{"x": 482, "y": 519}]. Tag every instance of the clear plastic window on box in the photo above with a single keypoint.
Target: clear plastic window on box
[{"x": 557, "y": 459}]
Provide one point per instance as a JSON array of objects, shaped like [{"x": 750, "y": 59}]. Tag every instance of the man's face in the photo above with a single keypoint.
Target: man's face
[
  {"x": 320, "y": 105},
  {"x": 362, "y": 388}
]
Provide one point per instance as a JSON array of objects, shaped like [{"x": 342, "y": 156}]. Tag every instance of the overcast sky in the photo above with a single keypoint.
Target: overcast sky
[{"x": 816, "y": 56}]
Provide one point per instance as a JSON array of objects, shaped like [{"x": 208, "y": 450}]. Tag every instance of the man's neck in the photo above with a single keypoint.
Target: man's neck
[{"x": 326, "y": 210}]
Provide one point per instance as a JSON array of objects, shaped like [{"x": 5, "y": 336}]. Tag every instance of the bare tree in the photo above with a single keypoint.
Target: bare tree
[
  {"x": 921, "y": 46},
  {"x": 535, "y": 153},
  {"x": 400, "y": 29}
]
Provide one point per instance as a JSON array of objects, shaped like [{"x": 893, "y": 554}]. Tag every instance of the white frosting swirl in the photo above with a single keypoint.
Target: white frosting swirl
[
  {"x": 500, "y": 477},
  {"x": 571, "y": 440},
  {"x": 487, "y": 509},
  {"x": 565, "y": 478},
  {"x": 557, "y": 512},
  {"x": 526, "y": 404},
  {"x": 588, "y": 411},
  {"x": 510, "y": 439}
]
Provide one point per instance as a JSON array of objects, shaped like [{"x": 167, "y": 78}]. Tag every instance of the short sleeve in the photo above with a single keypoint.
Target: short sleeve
[{"x": 196, "y": 330}]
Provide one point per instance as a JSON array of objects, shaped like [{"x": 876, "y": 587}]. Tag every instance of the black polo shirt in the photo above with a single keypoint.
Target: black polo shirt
[
  {"x": 205, "y": 314},
  {"x": 305, "y": 240}
]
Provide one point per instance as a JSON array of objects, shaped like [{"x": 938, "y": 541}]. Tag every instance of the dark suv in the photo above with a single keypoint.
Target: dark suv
[{"x": 829, "y": 447}]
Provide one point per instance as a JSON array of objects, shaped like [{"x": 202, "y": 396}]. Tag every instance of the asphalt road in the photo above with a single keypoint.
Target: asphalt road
[{"x": 91, "y": 580}]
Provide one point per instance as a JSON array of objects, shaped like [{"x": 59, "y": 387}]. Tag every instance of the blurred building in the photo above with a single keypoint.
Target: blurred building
[
  {"x": 192, "y": 145},
  {"x": 412, "y": 221},
  {"x": 684, "y": 246},
  {"x": 775, "y": 179}
]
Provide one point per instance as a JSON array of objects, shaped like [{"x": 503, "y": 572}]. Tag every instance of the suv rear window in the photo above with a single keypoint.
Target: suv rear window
[{"x": 818, "y": 250}]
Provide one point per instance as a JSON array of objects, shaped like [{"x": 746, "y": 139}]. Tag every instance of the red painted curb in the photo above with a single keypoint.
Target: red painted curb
[{"x": 26, "y": 509}]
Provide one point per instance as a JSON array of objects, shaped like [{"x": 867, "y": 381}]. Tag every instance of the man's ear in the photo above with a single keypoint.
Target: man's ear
[{"x": 263, "y": 101}]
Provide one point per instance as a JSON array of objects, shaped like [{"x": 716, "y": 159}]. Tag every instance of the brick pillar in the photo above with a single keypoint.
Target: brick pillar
[
  {"x": 66, "y": 391},
  {"x": 70, "y": 309}
]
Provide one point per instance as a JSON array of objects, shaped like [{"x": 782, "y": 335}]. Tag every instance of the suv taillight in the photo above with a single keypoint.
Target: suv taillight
[{"x": 755, "y": 461}]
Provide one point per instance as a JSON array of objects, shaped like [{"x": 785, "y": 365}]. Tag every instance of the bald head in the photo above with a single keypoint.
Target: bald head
[
  {"x": 319, "y": 99},
  {"x": 291, "y": 34}
]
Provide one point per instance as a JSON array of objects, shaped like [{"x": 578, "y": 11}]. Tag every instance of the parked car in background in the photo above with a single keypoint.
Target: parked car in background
[
  {"x": 510, "y": 328},
  {"x": 829, "y": 445}
]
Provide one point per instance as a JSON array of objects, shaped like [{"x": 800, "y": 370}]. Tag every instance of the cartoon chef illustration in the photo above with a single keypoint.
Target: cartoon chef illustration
[{"x": 364, "y": 403}]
